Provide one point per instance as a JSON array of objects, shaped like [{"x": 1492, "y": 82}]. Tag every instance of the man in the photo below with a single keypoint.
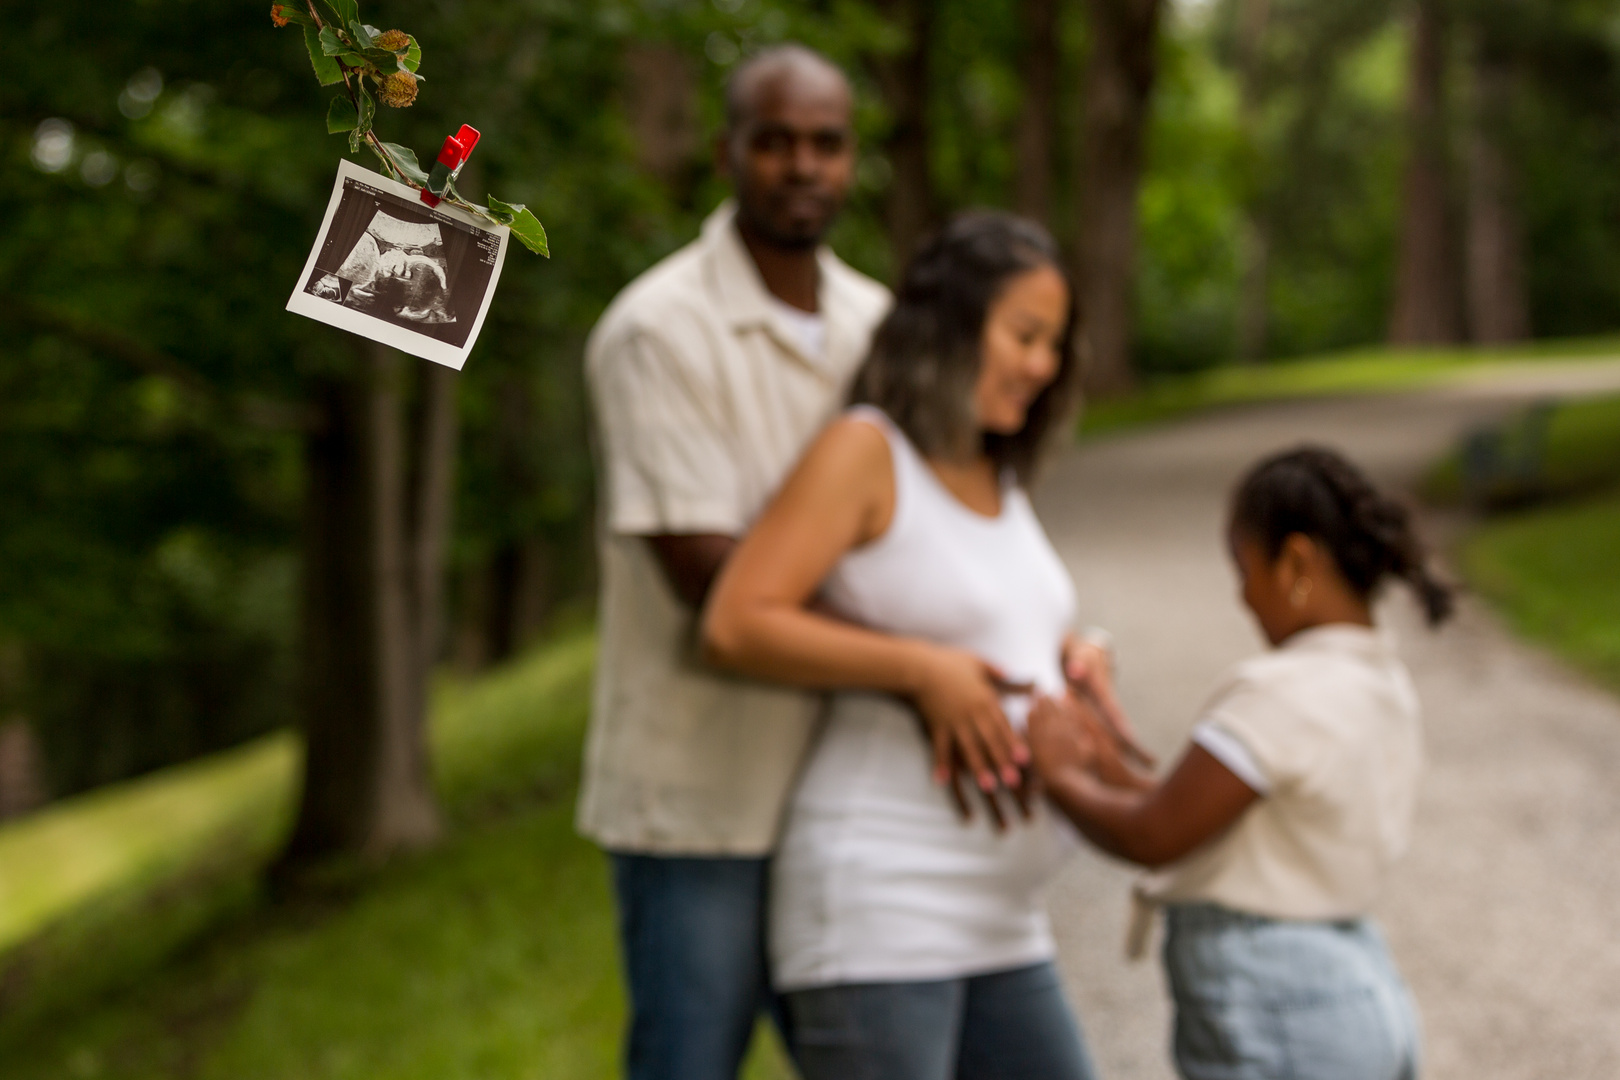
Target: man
[{"x": 709, "y": 375}]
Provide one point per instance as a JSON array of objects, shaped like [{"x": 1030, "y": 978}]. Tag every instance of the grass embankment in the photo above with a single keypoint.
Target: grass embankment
[
  {"x": 491, "y": 956},
  {"x": 1361, "y": 371},
  {"x": 1555, "y": 572},
  {"x": 1554, "y": 568}
]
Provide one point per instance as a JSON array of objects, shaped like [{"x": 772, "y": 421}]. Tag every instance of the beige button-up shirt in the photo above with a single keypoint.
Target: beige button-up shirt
[
  {"x": 1333, "y": 725},
  {"x": 704, "y": 400}
]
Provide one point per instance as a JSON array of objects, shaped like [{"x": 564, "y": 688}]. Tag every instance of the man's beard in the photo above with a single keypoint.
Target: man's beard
[{"x": 762, "y": 228}]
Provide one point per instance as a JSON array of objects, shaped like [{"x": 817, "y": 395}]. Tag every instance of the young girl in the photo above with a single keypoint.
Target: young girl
[{"x": 1280, "y": 823}]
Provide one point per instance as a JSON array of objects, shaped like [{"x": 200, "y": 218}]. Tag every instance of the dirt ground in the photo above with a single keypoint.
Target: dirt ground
[{"x": 1505, "y": 915}]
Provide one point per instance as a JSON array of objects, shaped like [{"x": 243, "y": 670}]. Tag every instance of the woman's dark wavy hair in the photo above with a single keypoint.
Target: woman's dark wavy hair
[
  {"x": 1316, "y": 492},
  {"x": 924, "y": 359}
]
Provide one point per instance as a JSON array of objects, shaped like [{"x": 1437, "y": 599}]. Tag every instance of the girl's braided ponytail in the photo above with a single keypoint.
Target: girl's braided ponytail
[{"x": 1315, "y": 491}]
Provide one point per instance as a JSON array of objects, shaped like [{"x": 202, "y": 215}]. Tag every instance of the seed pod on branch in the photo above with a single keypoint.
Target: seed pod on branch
[
  {"x": 397, "y": 89},
  {"x": 277, "y": 17},
  {"x": 392, "y": 40}
]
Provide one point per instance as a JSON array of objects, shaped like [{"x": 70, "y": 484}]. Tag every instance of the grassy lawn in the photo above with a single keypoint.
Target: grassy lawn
[
  {"x": 1361, "y": 371},
  {"x": 1556, "y": 573},
  {"x": 1581, "y": 452},
  {"x": 491, "y": 956},
  {"x": 1551, "y": 563}
]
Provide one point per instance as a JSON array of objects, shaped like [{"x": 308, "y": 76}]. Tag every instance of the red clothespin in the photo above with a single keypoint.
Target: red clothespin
[{"x": 457, "y": 149}]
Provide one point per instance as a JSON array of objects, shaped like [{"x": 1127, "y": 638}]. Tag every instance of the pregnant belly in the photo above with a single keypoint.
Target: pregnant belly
[{"x": 868, "y": 806}]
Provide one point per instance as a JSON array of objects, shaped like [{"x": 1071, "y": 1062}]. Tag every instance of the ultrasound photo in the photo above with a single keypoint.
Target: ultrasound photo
[{"x": 390, "y": 268}]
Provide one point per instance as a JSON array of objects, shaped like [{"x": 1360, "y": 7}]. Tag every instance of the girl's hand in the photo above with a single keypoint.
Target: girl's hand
[
  {"x": 1089, "y": 671},
  {"x": 1060, "y": 739},
  {"x": 959, "y": 697},
  {"x": 1073, "y": 735}
]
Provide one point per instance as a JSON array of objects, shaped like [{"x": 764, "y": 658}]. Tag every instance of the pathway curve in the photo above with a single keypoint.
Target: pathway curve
[{"x": 1506, "y": 914}]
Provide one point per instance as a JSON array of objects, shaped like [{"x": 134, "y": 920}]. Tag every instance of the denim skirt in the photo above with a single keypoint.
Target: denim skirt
[{"x": 1276, "y": 999}]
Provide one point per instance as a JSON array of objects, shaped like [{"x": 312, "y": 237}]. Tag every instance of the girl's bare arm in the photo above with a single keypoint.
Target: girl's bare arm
[{"x": 1151, "y": 826}]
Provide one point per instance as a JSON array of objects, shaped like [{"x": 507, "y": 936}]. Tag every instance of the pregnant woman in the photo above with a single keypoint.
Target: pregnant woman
[{"x": 911, "y": 945}]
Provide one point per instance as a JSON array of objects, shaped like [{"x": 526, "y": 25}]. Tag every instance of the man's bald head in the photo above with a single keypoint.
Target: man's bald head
[
  {"x": 796, "y": 69},
  {"x": 789, "y": 145}
]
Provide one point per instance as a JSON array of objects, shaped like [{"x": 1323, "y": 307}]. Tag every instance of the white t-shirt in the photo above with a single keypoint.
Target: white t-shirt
[
  {"x": 1330, "y": 725},
  {"x": 809, "y": 328},
  {"x": 877, "y": 878}
]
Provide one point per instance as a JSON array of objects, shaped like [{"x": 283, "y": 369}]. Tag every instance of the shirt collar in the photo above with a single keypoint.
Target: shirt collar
[
  {"x": 1341, "y": 637},
  {"x": 747, "y": 302}
]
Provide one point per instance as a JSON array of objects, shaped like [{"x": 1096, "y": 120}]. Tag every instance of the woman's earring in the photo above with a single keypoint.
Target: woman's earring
[{"x": 1300, "y": 594}]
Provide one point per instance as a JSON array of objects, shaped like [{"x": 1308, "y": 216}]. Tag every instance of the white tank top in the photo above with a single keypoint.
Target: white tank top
[{"x": 876, "y": 878}]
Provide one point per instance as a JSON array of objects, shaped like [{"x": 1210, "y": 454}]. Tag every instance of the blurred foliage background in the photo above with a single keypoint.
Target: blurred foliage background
[{"x": 167, "y": 168}]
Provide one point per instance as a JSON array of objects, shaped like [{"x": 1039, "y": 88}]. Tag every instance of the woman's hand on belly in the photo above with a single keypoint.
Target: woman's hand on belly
[
  {"x": 959, "y": 696},
  {"x": 991, "y": 800}
]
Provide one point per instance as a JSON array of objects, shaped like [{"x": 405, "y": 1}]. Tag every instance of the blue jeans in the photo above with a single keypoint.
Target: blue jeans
[
  {"x": 1008, "y": 1025},
  {"x": 1275, "y": 999},
  {"x": 692, "y": 933}
]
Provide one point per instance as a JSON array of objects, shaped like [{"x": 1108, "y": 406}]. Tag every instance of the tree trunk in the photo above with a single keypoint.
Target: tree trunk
[
  {"x": 372, "y": 554},
  {"x": 662, "y": 103},
  {"x": 903, "y": 78},
  {"x": 1254, "y": 285},
  {"x": 1118, "y": 90},
  {"x": 22, "y": 776},
  {"x": 1427, "y": 308},
  {"x": 1037, "y": 125},
  {"x": 1254, "y": 241},
  {"x": 1498, "y": 301},
  {"x": 519, "y": 597},
  {"x": 431, "y": 493}
]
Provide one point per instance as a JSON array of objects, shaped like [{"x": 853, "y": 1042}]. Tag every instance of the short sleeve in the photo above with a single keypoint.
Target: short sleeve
[
  {"x": 1226, "y": 749},
  {"x": 1261, "y": 721},
  {"x": 668, "y": 458}
]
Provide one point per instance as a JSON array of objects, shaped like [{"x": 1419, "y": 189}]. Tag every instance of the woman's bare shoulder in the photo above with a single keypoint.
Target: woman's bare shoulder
[
  {"x": 849, "y": 443},
  {"x": 847, "y": 466}
]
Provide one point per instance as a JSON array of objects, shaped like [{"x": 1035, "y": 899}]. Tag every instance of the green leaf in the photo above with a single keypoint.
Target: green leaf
[
  {"x": 413, "y": 56},
  {"x": 368, "y": 109},
  {"x": 331, "y": 44},
  {"x": 347, "y": 11},
  {"x": 503, "y": 212},
  {"x": 357, "y": 61},
  {"x": 291, "y": 13},
  {"x": 326, "y": 69},
  {"x": 357, "y": 33},
  {"x": 405, "y": 161},
  {"x": 524, "y": 225},
  {"x": 372, "y": 30},
  {"x": 340, "y": 115},
  {"x": 531, "y": 233},
  {"x": 384, "y": 60}
]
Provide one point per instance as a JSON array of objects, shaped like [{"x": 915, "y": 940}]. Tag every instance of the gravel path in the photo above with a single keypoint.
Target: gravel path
[{"x": 1506, "y": 914}]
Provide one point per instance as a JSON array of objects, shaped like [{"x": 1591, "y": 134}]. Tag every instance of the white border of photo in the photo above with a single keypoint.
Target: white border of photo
[{"x": 369, "y": 326}]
